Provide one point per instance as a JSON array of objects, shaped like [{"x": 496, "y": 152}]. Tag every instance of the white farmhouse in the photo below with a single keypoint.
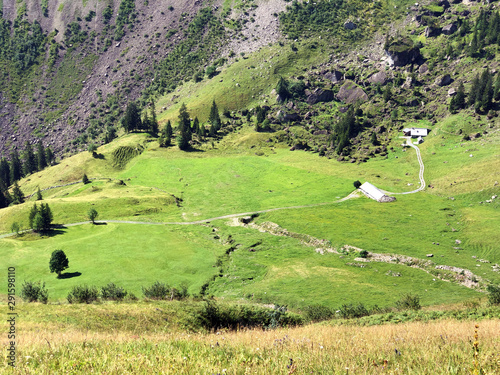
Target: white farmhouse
[{"x": 415, "y": 132}]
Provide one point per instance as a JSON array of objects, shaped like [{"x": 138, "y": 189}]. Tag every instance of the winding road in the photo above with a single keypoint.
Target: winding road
[{"x": 420, "y": 173}]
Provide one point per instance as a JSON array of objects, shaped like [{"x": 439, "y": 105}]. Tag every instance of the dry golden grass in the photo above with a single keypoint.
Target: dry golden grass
[{"x": 444, "y": 347}]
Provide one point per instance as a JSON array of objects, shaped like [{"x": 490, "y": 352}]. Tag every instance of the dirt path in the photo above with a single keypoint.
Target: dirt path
[
  {"x": 352, "y": 195},
  {"x": 420, "y": 173}
]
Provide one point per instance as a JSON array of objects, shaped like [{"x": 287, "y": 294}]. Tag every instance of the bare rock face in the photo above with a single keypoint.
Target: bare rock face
[
  {"x": 380, "y": 78},
  {"x": 449, "y": 29},
  {"x": 334, "y": 76},
  {"x": 351, "y": 93},
  {"x": 444, "y": 80},
  {"x": 402, "y": 52},
  {"x": 320, "y": 95}
]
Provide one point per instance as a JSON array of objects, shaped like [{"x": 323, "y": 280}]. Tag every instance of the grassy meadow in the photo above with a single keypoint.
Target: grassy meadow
[{"x": 135, "y": 338}]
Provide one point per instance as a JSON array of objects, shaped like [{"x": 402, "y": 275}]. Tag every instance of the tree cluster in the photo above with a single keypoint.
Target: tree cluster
[
  {"x": 40, "y": 218},
  {"x": 132, "y": 120},
  {"x": 21, "y": 166},
  {"x": 482, "y": 92}
]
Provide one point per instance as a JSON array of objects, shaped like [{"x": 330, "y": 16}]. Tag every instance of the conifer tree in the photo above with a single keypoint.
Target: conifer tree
[
  {"x": 4, "y": 202},
  {"x": 473, "y": 46},
  {"x": 17, "y": 194},
  {"x": 16, "y": 167},
  {"x": 214, "y": 117},
  {"x": 30, "y": 165},
  {"x": 168, "y": 129},
  {"x": 5, "y": 172},
  {"x": 39, "y": 195},
  {"x": 487, "y": 91},
  {"x": 458, "y": 101},
  {"x": 202, "y": 131},
  {"x": 131, "y": 121},
  {"x": 47, "y": 216},
  {"x": 41, "y": 156},
  {"x": 153, "y": 121},
  {"x": 196, "y": 126},
  {"x": 49, "y": 155},
  {"x": 184, "y": 128},
  {"x": 496, "y": 90},
  {"x": 474, "y": 90},
  {"x": 282, "y": 89}
]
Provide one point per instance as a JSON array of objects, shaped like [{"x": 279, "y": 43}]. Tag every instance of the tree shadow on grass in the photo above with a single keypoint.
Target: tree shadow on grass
[
  {"x": 69, "y": 275},
  {"x": 100, "y": 223},
  {"x": 53, "y": 232}
]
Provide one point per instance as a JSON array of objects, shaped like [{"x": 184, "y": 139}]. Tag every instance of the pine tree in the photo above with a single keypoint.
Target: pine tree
[
  {"x": 196, "y": 126},
  {"x": 387, "y": 93},
  {"x": 41, "y": 156},
  {"x": 47, "y": 216},
  {"x": 30, "y": 165},
  {"x": 39, "y": 195},
  {"x": 153, "y": 121},
  {"x": 16, "y": 167},
  {"x": 17, "y": 194},
  {"x": 131, "y": 121},
  {"x": 32, "y": 214},
  {"x": 282, "y": 89},
  {"x": 184, "y": 128},
  {"x": 5, "y": 172},
  {"x": 214, "y": 117},
  {"x": 487, "y": 91},
  {"x": 4, "y": 202},
  {"x": 496, "y": 90},
  {"x": 474, "y": 90},
  {"x": 49, "y": 156}
]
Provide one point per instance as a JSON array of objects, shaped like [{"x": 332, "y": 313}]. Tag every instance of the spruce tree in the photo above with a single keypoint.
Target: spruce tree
[
  {"x": 168, "y": 130},
  {"x": 47, "y": 216},
  {"x": 473, "y": 46},
  {"x": 282, "y": 89},
  {"x": 49, "y": 156},
  {"x": 460, "y": 96},
  {"x": 41, "y": 156},
  {"x": 202, "y": 131},
  {"x": 39, "y": 195},
  {"x": 214, "y": 117},
  {"x": 30, "y": 165},
  {"x": 4, "y": 202},
  {"x": 474, "y": 90},
  {"x": 196, "y": 126},
  {"x": 17, "y": 194},
  {"x": 32, "y": 214},
  {"x": 153, "y": 121},
  {"x": 16, "y": 167},
  {"x": 131, "y": 121},
  {"x": 496, "y": 90},
  {"x": 5, "y": 172},
  {"x": 184, "y": 128},
  {"x": 387, "y": 93}
]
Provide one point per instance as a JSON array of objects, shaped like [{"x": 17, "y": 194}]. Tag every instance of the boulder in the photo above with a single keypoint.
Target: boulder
[
  {"x": 286, "y": 117},
  {"x": 334, "y": 76},
  {"x": 449, "y": 29},
  {"x": 444, "y": 80},
  {"x": 350, "y": 25},
  {"x": 430, "y": 31},
  {"x": 424, "y": 68},
  {"x": 452, "y": 92},
  {"x": 351, "y": 93},
  {"x": 402, "y": 52},
  {"x": 380, "y": 77},
  {"x": 320, "y": 95}
]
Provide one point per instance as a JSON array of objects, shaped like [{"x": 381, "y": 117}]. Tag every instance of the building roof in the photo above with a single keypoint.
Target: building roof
[
  {"x": 416, "y": 132},
  {"x": 372, "y": 191}
]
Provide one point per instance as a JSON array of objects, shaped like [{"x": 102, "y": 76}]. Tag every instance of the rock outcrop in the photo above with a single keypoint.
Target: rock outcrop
[
  {"x": 402, "y": 52},
  {"x": 320, "y": 95},
  {"x": 351, "y": 93},
  {"x": 380, "y": 78},
  {"x": 334, "y": 76}
]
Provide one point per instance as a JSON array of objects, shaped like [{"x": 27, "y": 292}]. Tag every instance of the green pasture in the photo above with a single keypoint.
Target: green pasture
[
  {"x": 131, "y": 256},
  {"x": 272, "y": 269}
]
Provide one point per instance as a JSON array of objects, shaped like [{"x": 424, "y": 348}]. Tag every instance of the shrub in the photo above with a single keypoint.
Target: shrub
[
  {"x": 85, "y": 179},
  {"x": 357, "y": 184},
  {"x": 113, "y": 292},
  {"x": 318, "y": 313},
  {"x": 156, "y": 291},
  {"x": 353, "y": 311},
  {"x": 493, "y": 294},
  {"x": 83, "y": 294},
  {"x": 34, "y": 292},
  {"x": 363, "y": 254},
  {"x": 409, "y": 302}
]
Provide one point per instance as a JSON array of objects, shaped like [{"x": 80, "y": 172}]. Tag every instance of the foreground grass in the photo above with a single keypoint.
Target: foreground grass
[{"x": 78, "y": 340}]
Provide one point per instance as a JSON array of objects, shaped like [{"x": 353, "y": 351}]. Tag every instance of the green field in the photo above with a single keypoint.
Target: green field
[{"x": 246, "y": 173}]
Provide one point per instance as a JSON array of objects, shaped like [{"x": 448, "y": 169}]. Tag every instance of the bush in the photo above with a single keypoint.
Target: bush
[
  {"x": 357, "y": 184},
  {"x": 493, "y": 294},
  {"x": 409, "y": 302},
  {"x": 316, "y": 313},
  {"x": 83, "y": 294},
  {"x": 353, "y": 311},
  {"x": 214, "y": 316},
  {"x": 156, "y": 291},
  {"x": 363, "y": 254},
  {"x": 34, "y": 292},
  {"x": 85, "y": 179},
  {"x": 113, "y": 292}
]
